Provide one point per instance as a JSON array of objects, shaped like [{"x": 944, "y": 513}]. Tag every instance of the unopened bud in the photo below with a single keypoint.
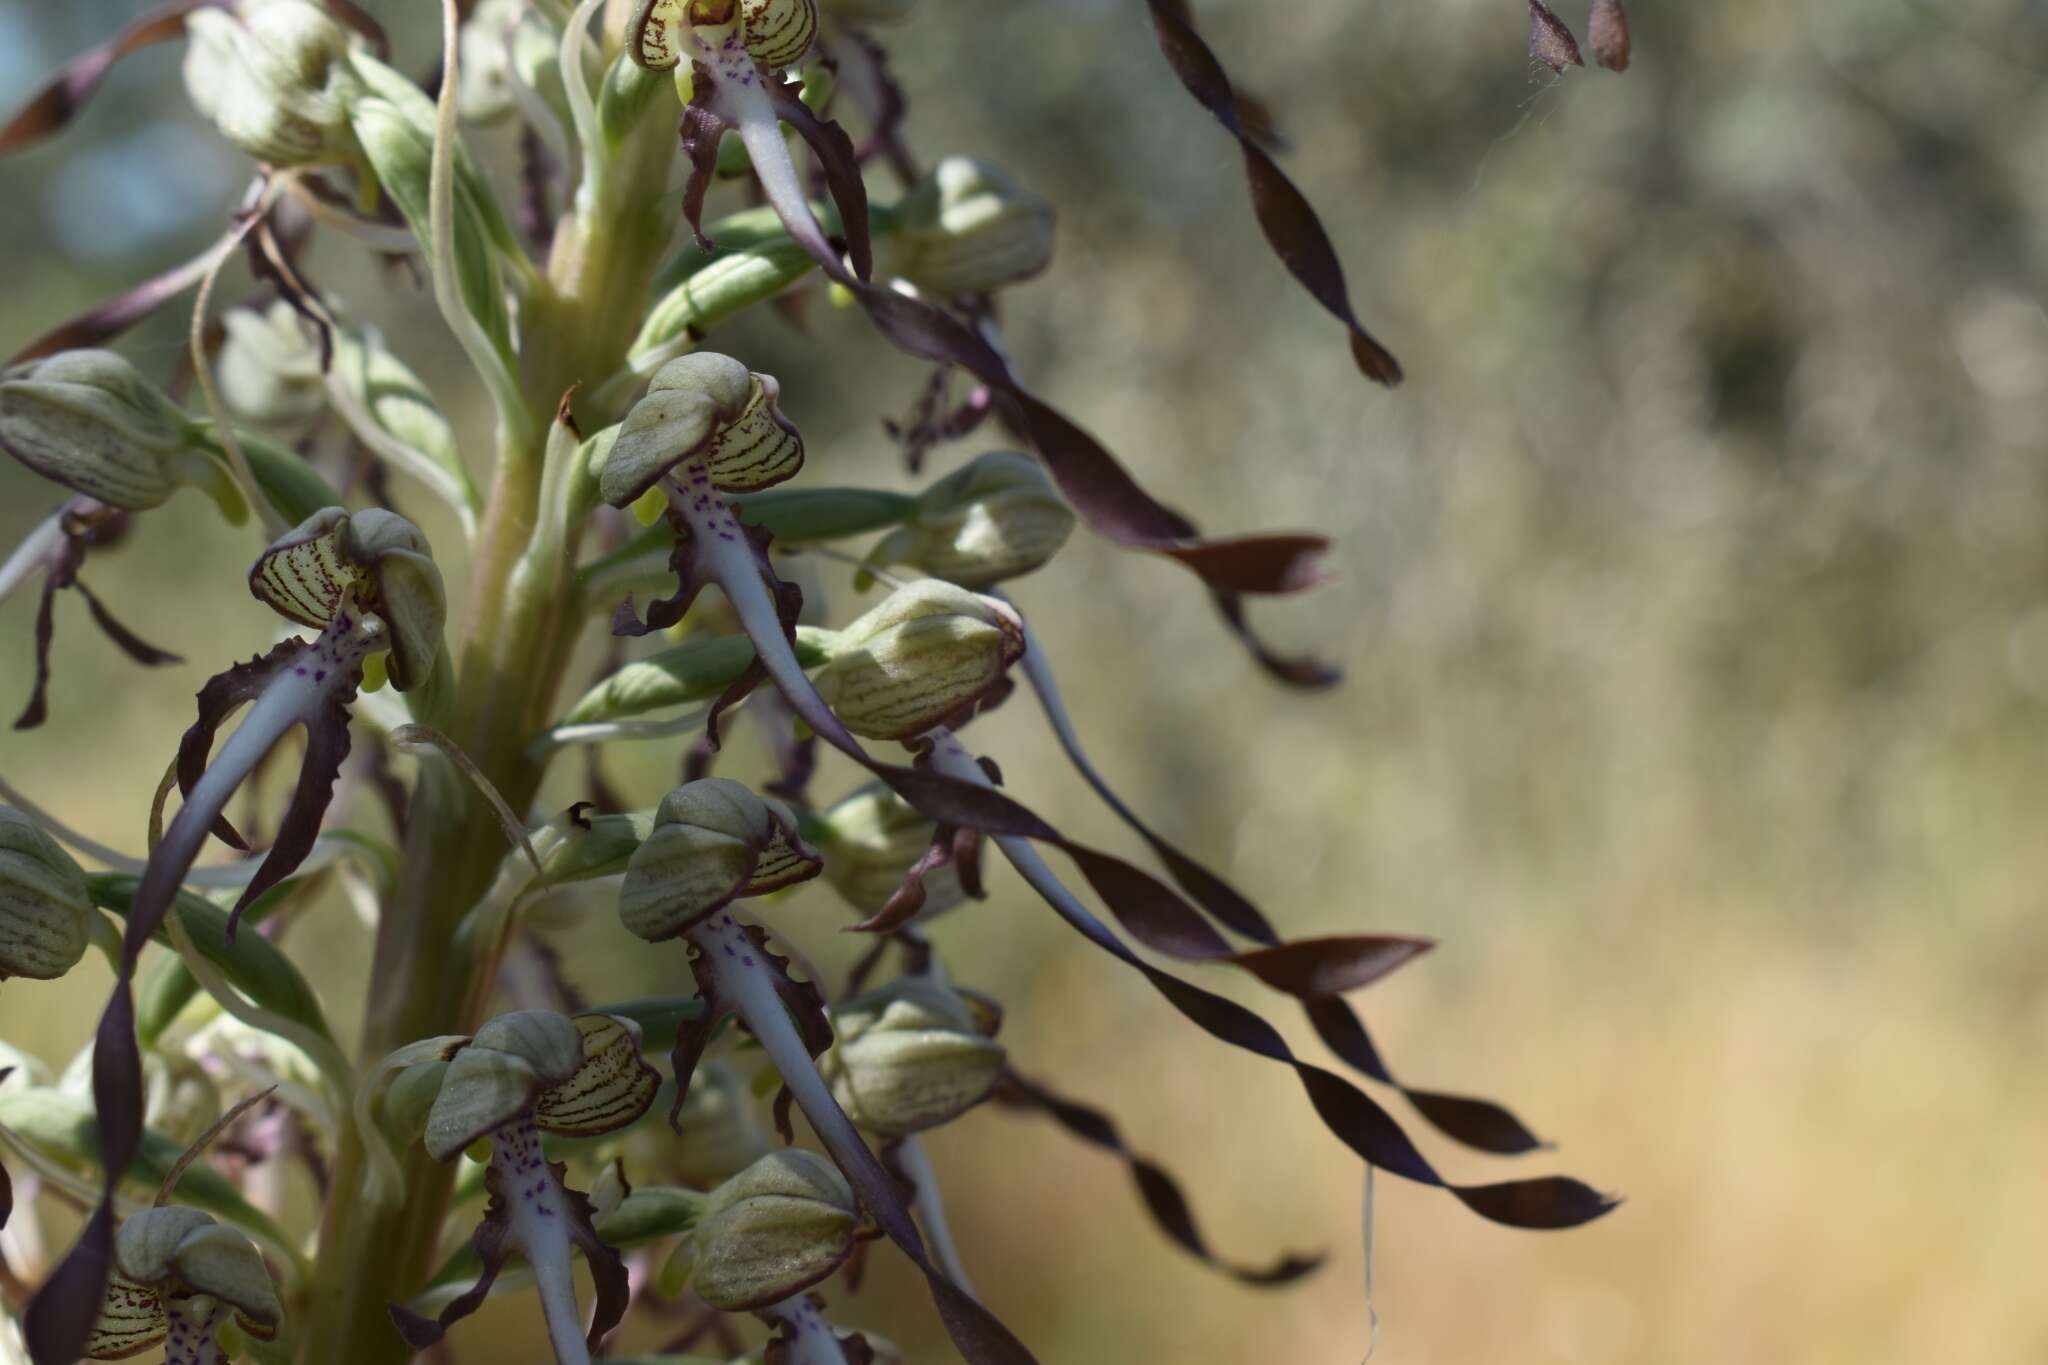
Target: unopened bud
[
  {"x": 969, "y": 229},
  {"x": 90, "y": 421},
  {"x": 708, "y": 411},
  {"x": 713, "y": 842},
  {"x": 909, "y": 1057},
  {"x": 275, "y": 79},
  {"x": 996, "y": 518},
  {"x": 179, "y": 1252},
  {"x": 269, "y": 370},
  {"x": 45, "y": 913},
  {"x": 773, "y": 1230},
  {"x": 337, "y": 561},
  {"x": 870, "y": 840},
  {"x": 929, "y": 649}
]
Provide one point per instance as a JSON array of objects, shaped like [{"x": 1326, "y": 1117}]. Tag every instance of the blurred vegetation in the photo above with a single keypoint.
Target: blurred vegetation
[{"x": 1692, "y": 601}]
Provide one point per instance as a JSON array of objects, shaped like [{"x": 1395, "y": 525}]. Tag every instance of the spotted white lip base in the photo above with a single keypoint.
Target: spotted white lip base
[
  {"x": 193, "y": 1341},
  {"x": 811, "y": 1339},
  {"x": 538, "y": 1219}
]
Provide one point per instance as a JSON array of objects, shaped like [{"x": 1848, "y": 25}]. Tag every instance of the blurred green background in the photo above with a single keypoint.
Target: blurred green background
[{"x": 1691, "y": 596}]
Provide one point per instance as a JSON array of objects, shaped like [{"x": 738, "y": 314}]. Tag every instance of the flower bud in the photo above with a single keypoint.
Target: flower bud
[
  {"x": 718, "y": 1132},
  {"x": 275, "y": 79},
  {"x": 995, "y": 518},
  {"x": 969, "y": 229},
  {"x": 773, "y": 1230},
  {"x": 871, "y": 838},
  {"x": 269, "y": 370},
  {"x": 708, "y": 410},
  {"x": 90, "y": 421},
  {"x": 45, "y": 913},
  {"x": 909, "y": 1057},
  {"x": 179, "y": 1252},
  {"x": 337, "y": 561},
  {"x": 929, "y": 649},
  {"x": 713, "y": 841}
]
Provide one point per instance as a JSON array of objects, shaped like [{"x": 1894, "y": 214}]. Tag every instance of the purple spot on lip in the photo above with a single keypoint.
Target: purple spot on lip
[
  {"x": 320, "y": 676},
  {"x": 300, "y": 671}
]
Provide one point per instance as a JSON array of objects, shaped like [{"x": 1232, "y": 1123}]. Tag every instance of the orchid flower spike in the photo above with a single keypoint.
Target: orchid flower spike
[
  {"x": 726, "y": 843},
  {"x": 185, "y": 1281},
  {"x": 729, "y": 57},
  {"x": 523, "y": 1075}
]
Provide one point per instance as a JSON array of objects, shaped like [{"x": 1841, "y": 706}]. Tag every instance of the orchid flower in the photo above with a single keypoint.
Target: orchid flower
[
  {"x": 729, "y": 58},
  {"x": 183, "y": 1280},
  {"x": 523, "y": 1075}
]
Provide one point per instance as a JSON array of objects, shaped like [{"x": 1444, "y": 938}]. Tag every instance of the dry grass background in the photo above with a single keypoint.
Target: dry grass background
[{"x": 1692, "y": 600}]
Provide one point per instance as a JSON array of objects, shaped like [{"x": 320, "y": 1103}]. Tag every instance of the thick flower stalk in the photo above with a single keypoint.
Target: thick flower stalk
[{"x": 523, "y": 1075}]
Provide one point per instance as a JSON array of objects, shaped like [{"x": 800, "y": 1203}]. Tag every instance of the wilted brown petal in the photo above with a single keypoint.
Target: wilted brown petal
[
  {"x": 1550, "y": 42},
  {"x": 1290, "y": 224},
  {"x": 1160, "y": 1191},
  {"x": 64, "y": 94},
  {"x": 1607, "y": 31}
]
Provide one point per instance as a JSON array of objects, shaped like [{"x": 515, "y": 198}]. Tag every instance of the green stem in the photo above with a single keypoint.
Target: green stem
[{"x": 519, "y": 633}]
